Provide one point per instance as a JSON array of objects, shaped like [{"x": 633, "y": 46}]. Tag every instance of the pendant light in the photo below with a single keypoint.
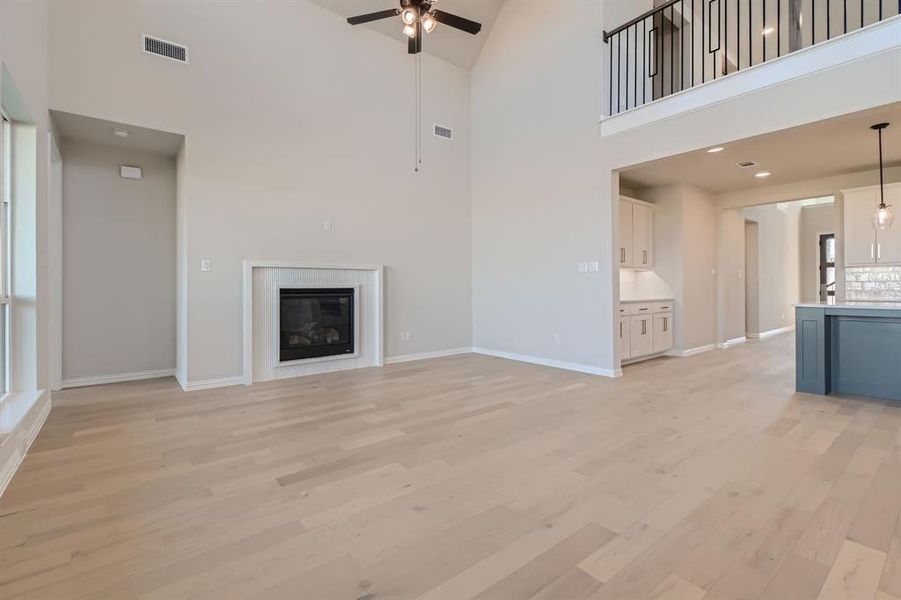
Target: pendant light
[{"x": 883, "y": 215}]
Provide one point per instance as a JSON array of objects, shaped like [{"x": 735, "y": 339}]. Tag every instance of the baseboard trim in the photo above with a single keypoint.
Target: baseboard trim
[
  {"x": 208, "y": 384},
  {"x": 692, "y": 351},
  {"x": 118, "y": 378},
  {"x": 11, "y": 465},
  {"x": 389, "y": 360},
  {"x": 770, "y": 333},
  {"x": 732, "y": 342},
  {"x": 547, "y": 362}
]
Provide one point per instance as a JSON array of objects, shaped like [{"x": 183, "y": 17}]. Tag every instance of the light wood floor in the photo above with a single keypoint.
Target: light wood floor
[{"x": 466, "y": 477}]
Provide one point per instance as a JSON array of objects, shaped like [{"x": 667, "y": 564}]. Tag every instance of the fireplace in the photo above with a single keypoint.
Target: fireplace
[{"x": 315, "y": 322}]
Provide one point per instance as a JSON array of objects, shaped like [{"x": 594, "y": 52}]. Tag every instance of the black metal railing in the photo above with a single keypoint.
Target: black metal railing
[{"x": 683, "y": 43}]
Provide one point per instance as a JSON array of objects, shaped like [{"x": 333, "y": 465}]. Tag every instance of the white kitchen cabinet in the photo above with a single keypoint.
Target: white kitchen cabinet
[
  {"x": 663, "y": 332},
  {"x": 642, "y": 236},
  {"x": 625, "y": 338},
  {"x": 636, "y": 234},
  {"x": 645, "y": 329},
  {"x": 625, "y": 233},
  {"x": 642, "y": 342},
  {"x": 863, "y": 244}
]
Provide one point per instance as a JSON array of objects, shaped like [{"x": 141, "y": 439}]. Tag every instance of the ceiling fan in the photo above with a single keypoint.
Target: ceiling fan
[{"x": 416, "y": 16}]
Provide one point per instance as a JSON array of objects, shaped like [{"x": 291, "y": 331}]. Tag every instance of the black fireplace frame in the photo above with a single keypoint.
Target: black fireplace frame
[{"x": 290, "y": 354}]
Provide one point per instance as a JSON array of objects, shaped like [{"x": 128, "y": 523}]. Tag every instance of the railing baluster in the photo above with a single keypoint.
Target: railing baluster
[
  {"x": 619, "y": 63},
  {"x": 750, "y": 35},
  {"x": 682, "y": 46},
  {"x": 672, "y": 47},
  {"x": 692, "y": 42},
  {"x": 738, "y": 36},
  {"x": 861, "y": 13},
  {"x": 762, "y": 34},
  {"x": 829, "y": 18},
  {"x": 845, "y": 16},
  {"x": 635, "y": 83},
  {"x": 703, "y": 54},
  {"x": 726, "y": 35},
  {"x": 779, "y": 28},
  {"x": 644, "y": 58},
  {"x": 627, "y": 69}
]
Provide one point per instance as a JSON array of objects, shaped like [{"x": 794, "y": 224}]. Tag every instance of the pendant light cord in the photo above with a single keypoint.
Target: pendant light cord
[{"x": 881, "y": 182}]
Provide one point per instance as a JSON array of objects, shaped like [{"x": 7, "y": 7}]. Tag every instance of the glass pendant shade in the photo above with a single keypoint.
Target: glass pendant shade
[{"x": 883, "y": 217}]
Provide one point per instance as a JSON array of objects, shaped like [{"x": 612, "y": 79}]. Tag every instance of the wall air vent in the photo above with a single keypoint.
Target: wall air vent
[
  {"x": 443, "y": 132},
  {"x": 747, "y": 163},
  {"x": 169, "y": 50}
]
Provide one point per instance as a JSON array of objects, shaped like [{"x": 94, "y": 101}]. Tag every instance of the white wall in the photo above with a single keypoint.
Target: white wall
[
  {"x": 685, "y": 257},
  {"x": 291, "y": 118},
  {"x": 118, "y": 262},
  {"x": 815, "y": 221},
  {"x": 536, "y": 191}
]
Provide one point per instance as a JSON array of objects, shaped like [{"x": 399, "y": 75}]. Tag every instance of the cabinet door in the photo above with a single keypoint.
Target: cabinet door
[
  {"x": 625, "y": 339},
  {"x": 888, "y": 241},
  {"x": 642, "y": 236},
  {"x": 625, "y": 233},
  {"x": 642, "y": 336},
  {"x": 663, "y": 332},
  {"x": 860, "y": 237}
]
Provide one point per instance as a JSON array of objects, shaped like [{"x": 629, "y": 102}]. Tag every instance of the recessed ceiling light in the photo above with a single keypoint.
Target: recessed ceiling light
[
  {"x": 762, "y": 174},
  {"x": 715, "y": 150},
  {"x": 122, "y": 133},
  {"x": 769, "y": 30}
]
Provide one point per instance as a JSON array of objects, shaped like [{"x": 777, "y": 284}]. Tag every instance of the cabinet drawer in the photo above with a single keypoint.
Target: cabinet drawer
[
  {"x": 660, "y": 307},
  {"x": 641, "y": 308}
]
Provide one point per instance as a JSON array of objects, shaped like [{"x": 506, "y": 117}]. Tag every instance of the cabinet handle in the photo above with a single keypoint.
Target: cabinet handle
[
  {"x": 664, "y": 323},
  {"x": 644, "y": 326},
  {"x": 622, "y": 255},
  {"x": 620, "y": 330},
  {"x": 872, "y": 250},
  {"x": 644, "y": 257},
  {"x": 642, "y": 309},
  {"x": 878, "y": 251}
]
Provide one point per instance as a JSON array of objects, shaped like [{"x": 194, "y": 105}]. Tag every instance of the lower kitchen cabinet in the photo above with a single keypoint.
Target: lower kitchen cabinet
[{"x": 645, "y": 329}]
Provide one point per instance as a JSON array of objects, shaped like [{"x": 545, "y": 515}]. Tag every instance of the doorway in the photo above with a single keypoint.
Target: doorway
[
  {"x": 827, "y": 268},
  {"x": 752, "y": 279}
]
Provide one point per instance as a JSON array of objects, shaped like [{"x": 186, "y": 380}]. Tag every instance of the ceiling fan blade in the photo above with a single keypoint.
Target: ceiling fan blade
[
  {"x": 382, "y": 14},
  {"x": 457, "y": 22}
]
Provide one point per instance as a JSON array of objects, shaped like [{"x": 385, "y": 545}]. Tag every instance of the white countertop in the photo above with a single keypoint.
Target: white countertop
[
  {"x": 853, "y": 304},
  {"x": 634, "y": 300}
]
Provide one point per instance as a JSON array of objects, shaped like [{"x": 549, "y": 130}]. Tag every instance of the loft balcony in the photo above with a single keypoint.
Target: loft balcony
[{"x": 685, "y": 54}]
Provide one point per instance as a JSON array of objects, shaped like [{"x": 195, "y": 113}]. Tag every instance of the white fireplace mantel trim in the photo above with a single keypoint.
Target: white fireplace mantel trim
[{"x": 250, "y": 265}]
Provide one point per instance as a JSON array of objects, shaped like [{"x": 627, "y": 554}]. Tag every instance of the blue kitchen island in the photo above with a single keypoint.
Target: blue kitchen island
[{"x": 849, "y": 348}]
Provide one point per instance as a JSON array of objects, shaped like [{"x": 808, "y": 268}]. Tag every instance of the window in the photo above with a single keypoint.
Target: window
[
  {"x": 827, "y": 268},
  {"x": 5, "y": 197}
]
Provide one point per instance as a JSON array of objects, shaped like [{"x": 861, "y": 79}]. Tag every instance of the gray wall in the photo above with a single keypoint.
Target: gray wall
[{"x": 118, "y": 262}]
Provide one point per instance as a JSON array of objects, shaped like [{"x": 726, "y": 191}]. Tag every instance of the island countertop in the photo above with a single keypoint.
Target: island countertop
[{"x": 853, "y": 304}]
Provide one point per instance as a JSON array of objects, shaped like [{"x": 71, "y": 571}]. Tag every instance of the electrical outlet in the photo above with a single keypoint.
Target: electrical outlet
[
  {"x": 406, "y": 336},
  {"x": 328, "y": 225},
  {"x": 558, "y": 339},
  {"x": 594, "y": 266},
  {"x": 206, "y": 264},
  {"x": 583, "y": 267}
]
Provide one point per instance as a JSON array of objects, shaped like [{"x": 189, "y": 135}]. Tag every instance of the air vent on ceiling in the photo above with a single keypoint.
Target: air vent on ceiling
[
  {"x": 169, "y": 50},
  {"x": 443, "y": 132},
  {"x": 747, "y": 163}
]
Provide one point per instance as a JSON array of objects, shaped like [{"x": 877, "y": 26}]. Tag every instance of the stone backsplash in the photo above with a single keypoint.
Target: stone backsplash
[{"x": 873, "y": 283}]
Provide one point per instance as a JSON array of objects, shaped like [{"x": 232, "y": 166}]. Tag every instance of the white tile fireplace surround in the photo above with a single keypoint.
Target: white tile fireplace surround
[{"x": 262, "y": 282}]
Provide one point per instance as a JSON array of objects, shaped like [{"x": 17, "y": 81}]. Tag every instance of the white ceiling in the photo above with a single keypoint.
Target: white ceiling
[
  {"x": 80, "y": 128},
  {"x": 447, "y": 43},
  {"x": 832, "y": 147}
]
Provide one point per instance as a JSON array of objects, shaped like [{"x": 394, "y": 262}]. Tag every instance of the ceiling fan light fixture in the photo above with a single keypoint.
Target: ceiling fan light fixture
[
  {"x": 408, "y": 16},
  {"x": 429, "y": 23},
  {"x": 409, "y": 31}
]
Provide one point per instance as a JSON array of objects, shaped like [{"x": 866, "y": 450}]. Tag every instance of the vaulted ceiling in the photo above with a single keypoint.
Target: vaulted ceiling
[{"x": 449, "y": 44}]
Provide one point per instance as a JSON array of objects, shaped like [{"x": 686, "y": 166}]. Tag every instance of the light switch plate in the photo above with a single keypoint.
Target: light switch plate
[
  {"x": 206, "y": 264},
  {"x": 583, "y": 267}
]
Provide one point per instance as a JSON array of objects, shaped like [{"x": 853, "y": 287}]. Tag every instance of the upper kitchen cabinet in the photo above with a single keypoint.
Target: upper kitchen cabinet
[
  {"x": 865, "y": 245},
  {"x": 636, "y": 234}
]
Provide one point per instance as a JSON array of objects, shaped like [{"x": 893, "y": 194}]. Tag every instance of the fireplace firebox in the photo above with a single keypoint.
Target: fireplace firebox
[{"x": 315, "y": 322}]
